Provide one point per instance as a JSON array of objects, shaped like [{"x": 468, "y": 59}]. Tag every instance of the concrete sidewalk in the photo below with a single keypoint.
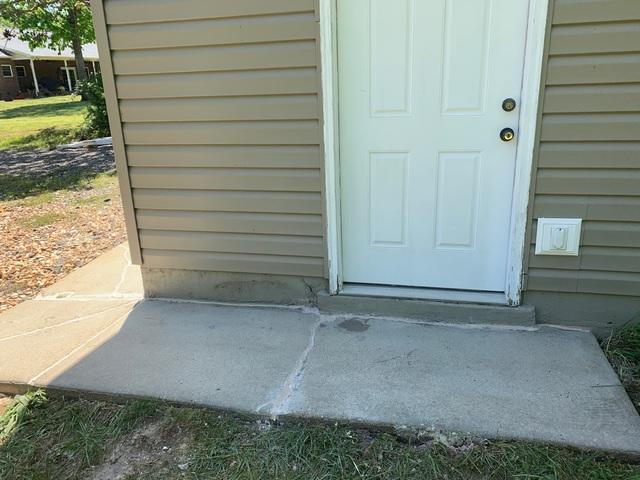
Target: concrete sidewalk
[{"x": 93, "y": 332}]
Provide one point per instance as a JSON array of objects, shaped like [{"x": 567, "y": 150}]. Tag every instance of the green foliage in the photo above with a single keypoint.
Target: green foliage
[
  {"x": 52, "y": 24},
  {"x": 13, "y": 416},
  {"x": 96, "y": 123}
]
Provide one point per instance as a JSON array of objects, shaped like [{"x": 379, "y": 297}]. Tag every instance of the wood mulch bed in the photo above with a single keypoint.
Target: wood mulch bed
[{"x": 46, "y": 236}]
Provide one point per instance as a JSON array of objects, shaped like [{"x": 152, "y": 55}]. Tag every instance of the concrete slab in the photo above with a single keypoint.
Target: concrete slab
[
  {"x": 228, "y": 357},
  {"x": 541, "y": 384},
  {"x": 35, "y": 335},
  {"x": 111, "y": 275}
]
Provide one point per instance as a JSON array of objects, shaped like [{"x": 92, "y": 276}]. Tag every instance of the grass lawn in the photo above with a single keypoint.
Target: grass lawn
[
  {"x": 40, "y": 123},
  {"x": 66, "y": 438}
]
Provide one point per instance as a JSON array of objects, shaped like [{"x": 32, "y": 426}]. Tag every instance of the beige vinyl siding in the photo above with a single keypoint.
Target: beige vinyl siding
[
  {"x": 220, "y": 113},
  {"x": 588, "y": 163}
]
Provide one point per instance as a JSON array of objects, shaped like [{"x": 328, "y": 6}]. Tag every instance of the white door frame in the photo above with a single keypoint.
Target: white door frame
[{"x": 532, "y": 78}]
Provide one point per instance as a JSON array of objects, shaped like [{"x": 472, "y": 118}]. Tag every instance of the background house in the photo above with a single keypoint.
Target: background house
[
  {"x": 9, "y": 86},
  {"x": 40, "y": 71}
]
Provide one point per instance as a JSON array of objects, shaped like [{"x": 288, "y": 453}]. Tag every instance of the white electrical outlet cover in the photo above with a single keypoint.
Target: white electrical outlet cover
[{"x": 558, "y": 236}]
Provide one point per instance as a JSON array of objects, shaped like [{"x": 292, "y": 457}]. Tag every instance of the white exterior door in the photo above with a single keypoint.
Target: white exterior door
[{"x": 426, "y": 181}]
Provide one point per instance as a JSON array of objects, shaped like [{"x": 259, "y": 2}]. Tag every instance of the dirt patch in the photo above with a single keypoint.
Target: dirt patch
[
  {"x": 161, "y": 446},
  {"x": 5, "y": 401}
]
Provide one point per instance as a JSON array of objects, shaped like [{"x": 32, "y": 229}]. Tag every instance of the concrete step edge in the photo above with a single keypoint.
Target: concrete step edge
[{"x": 428, "y": 310}]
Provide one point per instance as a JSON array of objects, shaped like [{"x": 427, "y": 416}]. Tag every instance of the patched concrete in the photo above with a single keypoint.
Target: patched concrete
[{"x": 534, "y": 383}]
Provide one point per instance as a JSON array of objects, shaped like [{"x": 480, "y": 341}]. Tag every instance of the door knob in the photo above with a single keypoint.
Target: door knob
[
  {"x": 509, "y": 105},
  {"x": 507, "y": 134}
]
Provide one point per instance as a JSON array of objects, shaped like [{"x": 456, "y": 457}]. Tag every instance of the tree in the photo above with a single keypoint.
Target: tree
[{"x": 54, "y": 24}]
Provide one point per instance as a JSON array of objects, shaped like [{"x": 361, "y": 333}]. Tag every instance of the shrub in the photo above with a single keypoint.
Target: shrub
[{"x": 96, "y": 122}]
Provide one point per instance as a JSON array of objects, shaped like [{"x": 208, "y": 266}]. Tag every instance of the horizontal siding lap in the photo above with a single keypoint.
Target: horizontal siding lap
[
  {"x": 230, "y": 243},
  {"x": 593, "y": 258},
  {"x": 589, "y": 39},
  {"x": 593, "y": 69},
  {"x": 293, "y": 81},
  {"x": 614, "y": 234},
  {"x": 592, "y": 11},
  {"x": 605, "y": 208},
  {"x": 225, "y": 156},
  {"x": 594, "y": 127},
  {"x": 592, "y": 98},
  {"x": 139, "y": 11},
  {"x": 588, "y": 181},
  {"x": 230, "y": 222},
  {"x": 286, "y": 107},
  {"x": 239, "y": 30},
  {"x": 234, "y": 262},
  {"x": 227, "y": 201},
  {"x": 584, "y": 281},
  {"x": 215, "y": 58},
  {"x": 297, "y": 180},
  {"x": 607, "y": 155},
  {"x": 223, "y": 133}
]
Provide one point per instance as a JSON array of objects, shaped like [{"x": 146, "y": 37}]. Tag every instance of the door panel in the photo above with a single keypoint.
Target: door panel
[{"x": 426, "y": 181}]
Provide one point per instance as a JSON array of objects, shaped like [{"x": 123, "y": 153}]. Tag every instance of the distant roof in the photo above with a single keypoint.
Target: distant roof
[{"x": 17, "y": 49}]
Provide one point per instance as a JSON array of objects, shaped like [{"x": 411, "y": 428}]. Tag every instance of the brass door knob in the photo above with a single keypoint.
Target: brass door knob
[
  {"x": 507, "y": 134},
  {"x": 509, "y": 105}
]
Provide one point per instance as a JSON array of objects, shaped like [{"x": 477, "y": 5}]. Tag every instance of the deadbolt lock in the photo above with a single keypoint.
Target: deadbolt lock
[
  {"x": 507, "y": 134},
  {"x": 509, "y": 105}
]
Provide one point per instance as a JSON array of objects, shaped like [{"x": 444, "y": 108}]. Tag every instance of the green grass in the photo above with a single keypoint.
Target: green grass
[
  {"x": 64, "y": 438},
  {"x": 59, "y": 439},
  {"x": 623, "y": 351},
  {"x": 37, "y": 221},
  {"x": 40, "y": 123},
  {"x": 39, "y": 188}
]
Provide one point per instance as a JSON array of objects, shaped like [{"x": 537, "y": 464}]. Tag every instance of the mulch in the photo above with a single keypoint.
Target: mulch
[{"x": 41, "y": 242}]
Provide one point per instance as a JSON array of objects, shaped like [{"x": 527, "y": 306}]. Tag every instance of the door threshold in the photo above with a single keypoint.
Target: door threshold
[{"x": 435, "y": 294}]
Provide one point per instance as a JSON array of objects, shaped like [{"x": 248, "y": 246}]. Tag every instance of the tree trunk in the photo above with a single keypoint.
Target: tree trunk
[{"x": 81, "y": 72}]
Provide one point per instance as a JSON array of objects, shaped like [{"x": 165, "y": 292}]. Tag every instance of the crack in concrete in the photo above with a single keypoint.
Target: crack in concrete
[
  {"x": 123, "y": 275},
  {"x": 88, "y": 298},
  {"x": 278, "y": 405},
  {"x": 68, "y": 322}
]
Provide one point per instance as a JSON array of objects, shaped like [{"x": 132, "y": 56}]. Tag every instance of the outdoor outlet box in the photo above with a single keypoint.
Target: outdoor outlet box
[{"x": 558, "y": 236}]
